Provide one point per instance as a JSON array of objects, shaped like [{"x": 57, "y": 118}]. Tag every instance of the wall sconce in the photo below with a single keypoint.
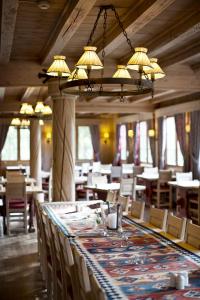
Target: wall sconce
[
  {"x": 152, "y": 133},
  {"x": 48, "y": 137},
  {"x": 187, "y": 128},
  {"x": 106, "y": 137},
  {"x": 130, "y": 133}
]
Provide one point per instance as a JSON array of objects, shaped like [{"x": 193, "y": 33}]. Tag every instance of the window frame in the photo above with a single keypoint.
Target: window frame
[
  {"x": 77, "y": 145},
  {"x": 18, "y": 160},
  {"x": 148, "y": 148}
]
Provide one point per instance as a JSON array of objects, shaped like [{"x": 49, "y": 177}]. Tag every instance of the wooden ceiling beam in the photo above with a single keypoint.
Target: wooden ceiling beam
[
  {"x": 142, "y": 15},
  {"x": 8, "y": 19},
  {"x": 72, "y": 16},
  {"x": 30, "y": 93},
  {"x": 149, "y": 98},
  {"x": 184, "y": 28},
  {"x": 119, "y": 108},
  {"x": 179, "y": 100}
]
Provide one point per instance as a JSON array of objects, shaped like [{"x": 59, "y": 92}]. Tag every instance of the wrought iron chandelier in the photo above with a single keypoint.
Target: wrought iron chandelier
[{"x": 121, "y": 84}]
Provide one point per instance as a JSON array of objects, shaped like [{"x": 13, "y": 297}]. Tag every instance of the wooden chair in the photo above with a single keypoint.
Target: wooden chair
[
  {"x": 158, "y": 218},
  {"x": 176, "y": 226},
  {"x": 97, "y": 292},
  {"x": 48, "y": 265},
  {"x": 127, "y": 170},
  {"x": 68, "y": 268},
  {"x": 137, "y": 170},
  {"x": 193, "y": 198},
  {"x": 161, "y": 193},
  {"x": 137, "y": 210},
  {"x": 193, "y": 235},
  {"x": 126, "y": 187},
  {"x": 111, "y": 196},
  {"x": 115, "y": 173},
  {"x": 16, "y": 204},
  {"x": 83, "y": 275},
  {"x": 124, "y": 201}
]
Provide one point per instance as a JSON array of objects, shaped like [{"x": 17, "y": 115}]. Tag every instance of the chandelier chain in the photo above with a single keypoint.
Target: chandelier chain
[
  {"x": 94, "y": 27},
  {"x": 122, "y": 28},
  {"x": 103, "y": 44}
]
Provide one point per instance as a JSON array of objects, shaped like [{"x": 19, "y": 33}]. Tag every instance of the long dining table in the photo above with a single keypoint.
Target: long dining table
[{"x": 135, "y": 263}]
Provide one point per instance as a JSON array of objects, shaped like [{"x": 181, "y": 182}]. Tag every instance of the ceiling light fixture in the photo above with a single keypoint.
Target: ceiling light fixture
[
  {"x": 121, "y": 84},
  {"x": 40, "y": 109}
]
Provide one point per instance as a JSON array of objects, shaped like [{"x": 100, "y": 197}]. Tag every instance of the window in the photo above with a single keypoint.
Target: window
[
  {"x": 145, "y": 151},
  {"x": 85, "y": 148},
  {"x": 17, "y": 144},
  {"x": 174, "y": 156},
  {"x": 123, "y": 147}
]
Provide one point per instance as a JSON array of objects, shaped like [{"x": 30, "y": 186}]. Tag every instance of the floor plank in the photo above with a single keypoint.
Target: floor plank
[{"x": 20, "y": 276}]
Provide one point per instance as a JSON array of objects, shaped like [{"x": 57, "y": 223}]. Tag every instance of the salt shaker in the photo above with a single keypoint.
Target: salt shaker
[
  {"x": 180, "y": 282},
  {"x": 172, "y": 280}
]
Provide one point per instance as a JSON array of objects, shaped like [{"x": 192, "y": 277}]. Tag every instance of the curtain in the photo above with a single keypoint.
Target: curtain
[
  {"x": 94, "y": 130},
  {"x": 3, "y": 134},
  {"x": 181, "y": 136},
  {"x": 136, "y": 144},
  {"x": 152, "y": 143},
  {"x": 117, "y": 159},
  {"x": 129, "y": 142},
  {"x": 195, "y": 144},
  {"x": 161, "y": 143}
]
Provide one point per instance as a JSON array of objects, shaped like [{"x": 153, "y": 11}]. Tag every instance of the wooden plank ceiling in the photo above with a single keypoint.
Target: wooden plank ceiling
[{"x": 170, "y": 29}]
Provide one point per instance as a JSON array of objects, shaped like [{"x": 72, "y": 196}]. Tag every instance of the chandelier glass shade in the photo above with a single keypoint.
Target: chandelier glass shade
[
  {"x": 122, "y": 83},
  {"x": 24, "y": 123}
]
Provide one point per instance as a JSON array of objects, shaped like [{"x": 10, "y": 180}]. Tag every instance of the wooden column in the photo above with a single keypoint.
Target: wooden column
[
  {"x": 63, "y": 144},
  {"x": 35, "y": 151}
]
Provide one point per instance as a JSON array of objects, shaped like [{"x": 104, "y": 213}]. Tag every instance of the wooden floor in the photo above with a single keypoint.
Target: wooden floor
[{"x": 20, "y": 276}]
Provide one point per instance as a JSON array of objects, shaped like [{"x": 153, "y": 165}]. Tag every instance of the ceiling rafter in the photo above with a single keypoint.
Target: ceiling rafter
[
  {"x": 72, "y": 16},
  {"x": 142, "y": 16},
  {"x": 8, "y": 19}
]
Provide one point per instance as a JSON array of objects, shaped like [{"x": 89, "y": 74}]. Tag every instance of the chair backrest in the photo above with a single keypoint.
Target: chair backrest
[
  {"x": 124, "y": 201},
  {"x": 137, "y": 170},
  {"x": 15, "y": 177},
  {"x": 83, "y": 274},
  {"x": 116, "y": 172},
  {"x": 99, "y": 180},
  {"x": 126, "y": 187},
  {"x": 97, "y": 292},
  {"x": 15, "y": 190},
  {"x": 106, "y": 167},
  {"x": 193, "y": 235},
  {"x": 137, "y": 209},
  {"x": 111, "y": 196},
  {"x": 149, "y": 170},
  {"x": 96, "y": 167},
  {"x": 176, "y": 226},
  {"x": 158, "y": 217},
  {"x": 184, "y": 176},
  {"x": 85, "y": 168},
  {"x": 165, "y": 176},
  {"x": 127, "y": 167}
]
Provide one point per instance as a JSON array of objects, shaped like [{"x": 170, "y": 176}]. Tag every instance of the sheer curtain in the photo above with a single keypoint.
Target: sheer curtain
[
  {"x": 195, "y": 144},
  {"x": 129, "y": 143},
  {"x": 3, "y": 133},
  {"x": 181, "y": 136},
  {"x": 136, "y": 144},
  {"x": 152, "y": 142},
  {"x": 117, "y": 159},
  {"x": 161, "y": 143},
  {"x": 95, "y": 135}
]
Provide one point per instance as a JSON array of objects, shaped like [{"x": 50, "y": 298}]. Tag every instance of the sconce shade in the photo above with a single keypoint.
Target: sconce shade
[
  {"x": 155, "y": 72},
  {"x": 48, "y": 137},
  {"x": 59, "y": 68},
  {"x": 106, "y": 135},
  {"x": 121, "y": 72},
  {"x": 139, "y": 61},
  {"x": 78, "y": 74},
  {"x": 151, "y": 132},
  {"x": 89, "y": 59},
  {"x": 16, "y": 122},
  {"x": 25, "y": 123},
  {"x": 41, "y": 122},
  {"x": 130, "y": 133},
  {"x": 187, "y": 128}
]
